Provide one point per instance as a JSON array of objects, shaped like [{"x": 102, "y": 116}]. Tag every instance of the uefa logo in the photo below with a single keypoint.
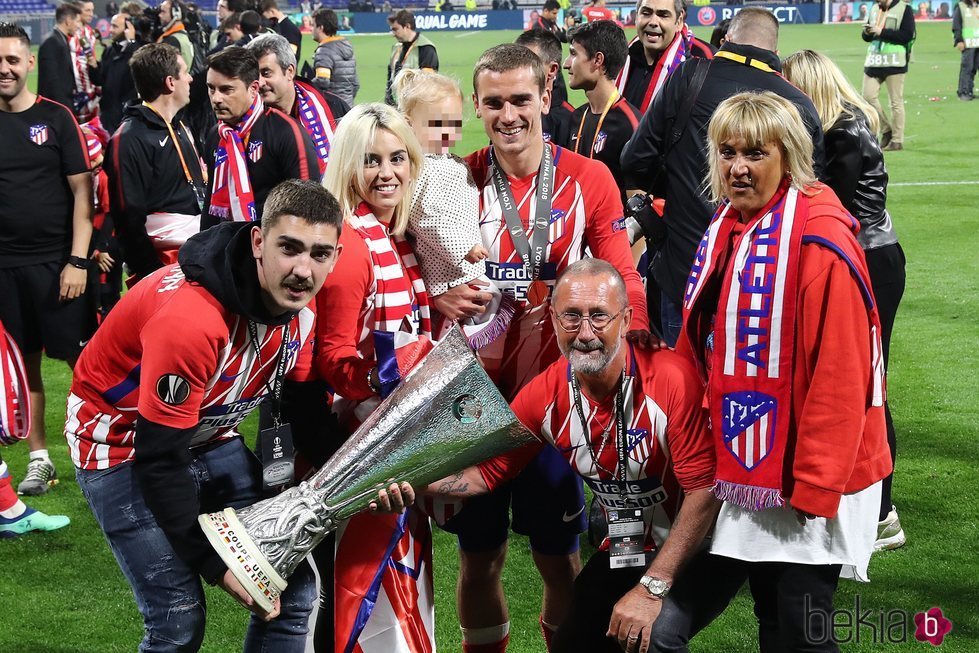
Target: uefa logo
[{"x": 706, "y": 16}]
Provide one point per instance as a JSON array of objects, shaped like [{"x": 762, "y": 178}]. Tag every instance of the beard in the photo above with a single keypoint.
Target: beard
[{"x": 582, "y": 362}]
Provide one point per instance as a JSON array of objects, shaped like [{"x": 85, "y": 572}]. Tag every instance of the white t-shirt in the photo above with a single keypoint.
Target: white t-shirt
[{"x": 775, "y": 535}]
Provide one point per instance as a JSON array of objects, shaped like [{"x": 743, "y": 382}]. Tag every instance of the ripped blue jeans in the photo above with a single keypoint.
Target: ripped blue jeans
[{"x": 168, "y": 593}]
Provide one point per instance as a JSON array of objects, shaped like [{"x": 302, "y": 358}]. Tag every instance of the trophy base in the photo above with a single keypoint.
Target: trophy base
[{"x": 229, "y": 538}]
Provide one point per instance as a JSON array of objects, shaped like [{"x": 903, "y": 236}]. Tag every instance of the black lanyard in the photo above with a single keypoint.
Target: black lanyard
[
  {"x": 532, "y": 256},
  {"x": 280, "y": 369},
  {"x": 621, "y": 465}
]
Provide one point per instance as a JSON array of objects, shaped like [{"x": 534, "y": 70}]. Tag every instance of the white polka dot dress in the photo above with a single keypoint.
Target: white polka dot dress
[{"x": 444, "y": 222}]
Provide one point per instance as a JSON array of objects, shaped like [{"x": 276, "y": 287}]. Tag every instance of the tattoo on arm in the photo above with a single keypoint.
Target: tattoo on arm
[{"x": 456, "y": 486}]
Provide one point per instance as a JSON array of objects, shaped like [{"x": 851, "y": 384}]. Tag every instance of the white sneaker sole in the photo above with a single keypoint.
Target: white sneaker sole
[{"x": 893, "y": 542}]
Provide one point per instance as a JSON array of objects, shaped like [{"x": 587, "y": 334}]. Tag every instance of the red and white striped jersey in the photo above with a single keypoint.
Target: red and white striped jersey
[
  {"x": 668, "y": 444},
  {"x": 586, "y": 220},
  {"x": 171, "y": 353}
]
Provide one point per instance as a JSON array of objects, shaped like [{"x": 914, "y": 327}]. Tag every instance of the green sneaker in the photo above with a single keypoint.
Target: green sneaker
[
  {"x": 31, "y": 520},
  {"x": 890, "y": 535}
]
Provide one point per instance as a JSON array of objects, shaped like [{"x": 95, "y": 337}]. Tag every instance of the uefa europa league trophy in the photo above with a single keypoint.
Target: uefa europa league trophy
[{"x": 444, "y": 417}]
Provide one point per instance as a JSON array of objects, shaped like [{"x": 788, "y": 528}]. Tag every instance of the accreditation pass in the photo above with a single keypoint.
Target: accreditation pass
[{"x": 626, "y": 534}]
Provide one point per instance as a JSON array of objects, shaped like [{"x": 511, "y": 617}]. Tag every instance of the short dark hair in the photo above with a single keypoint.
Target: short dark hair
[
  {"x": 151, "y": 65},
  {"x": 251, "y": 22},
  {"x": 304, "y": 199},
  {"x": 546, "y": 43},
  {"x": 403, "y": 17},
  {"x": 231, "y": 20},
  {"x": 326, "y": 20},
  {"x": 602, "y": 36},
  {"x": 236, "y": 62},
  {"x": 510, "y": 56},
  {"x": 550, "y": 5},
  {"x": 66, "y": 10},
  {"x": 14, "y": 31},
  {"x": 265, "y": 5}
]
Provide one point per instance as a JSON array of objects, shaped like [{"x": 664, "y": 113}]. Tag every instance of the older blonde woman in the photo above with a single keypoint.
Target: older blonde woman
[
  {"x": 372, "y": 322},
  {"x": 854, "y": 168},
  {"x": 780, "y": 318}
]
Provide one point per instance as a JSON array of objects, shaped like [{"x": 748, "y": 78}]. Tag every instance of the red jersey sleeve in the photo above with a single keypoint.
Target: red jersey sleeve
[
  {"x": 530, "y": 412},
  {"x": 687, "y": 431},
  {"x": 303, "y": 369},
  {"x": 177, "y": 363},
  {"x": 607, "y": 241},
  {"x": 339, "y": 309},
  {"x": 833, "y": 367}
]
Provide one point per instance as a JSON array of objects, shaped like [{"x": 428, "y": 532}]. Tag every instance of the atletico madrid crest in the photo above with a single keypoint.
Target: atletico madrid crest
[
  {"x": 638, "y": 445},
  {"x": 600, "y": 139},
  {"x": 749, "y": 426},
  {"x": 255, "y": 151},
  {"x": 39, "y": 134}
]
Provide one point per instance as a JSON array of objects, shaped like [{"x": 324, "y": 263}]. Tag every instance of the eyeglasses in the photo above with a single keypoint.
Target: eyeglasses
[{"x": 571, "y": 322}]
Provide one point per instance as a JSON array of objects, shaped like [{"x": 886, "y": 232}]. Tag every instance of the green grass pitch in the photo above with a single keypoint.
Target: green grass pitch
[{"x": 62, "y": 592}]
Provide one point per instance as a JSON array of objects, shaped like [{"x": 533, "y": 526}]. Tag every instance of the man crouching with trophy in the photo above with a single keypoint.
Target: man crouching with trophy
[
  {"x": 184, "y": 357},
  {"x": 631, "y": 422}
]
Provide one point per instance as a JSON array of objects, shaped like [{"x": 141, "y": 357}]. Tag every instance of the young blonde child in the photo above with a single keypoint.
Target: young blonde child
[{"x": 444, "y": 219}]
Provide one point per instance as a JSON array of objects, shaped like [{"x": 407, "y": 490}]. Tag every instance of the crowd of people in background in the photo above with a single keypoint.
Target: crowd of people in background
[{"x": 704, "y": 361}]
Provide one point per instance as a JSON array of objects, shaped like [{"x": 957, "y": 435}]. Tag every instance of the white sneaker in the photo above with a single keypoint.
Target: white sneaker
[{"x": 890, "y": 535}]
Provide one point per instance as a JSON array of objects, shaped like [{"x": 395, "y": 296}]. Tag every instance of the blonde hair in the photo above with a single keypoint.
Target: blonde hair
[
  {"x": 351, "y": 144},
  {"x": 834, "y": 96},
  {"x": 760, "y": 118},
  {"x": 413, "y": 87}
]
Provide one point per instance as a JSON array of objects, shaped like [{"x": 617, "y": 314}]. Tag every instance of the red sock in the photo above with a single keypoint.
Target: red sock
[
  {"x": 547, "y": 632},
  {"x": 8, "y": 498},
  {"x": 492, "y": 647}
]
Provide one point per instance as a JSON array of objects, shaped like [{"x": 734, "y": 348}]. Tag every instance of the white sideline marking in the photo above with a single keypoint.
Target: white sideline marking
[{"x": 934, "y": 183}]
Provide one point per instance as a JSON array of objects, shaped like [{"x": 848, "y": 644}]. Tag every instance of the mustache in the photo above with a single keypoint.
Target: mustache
[
  {"x": 594, "y": 345},
  {"x": 295, "y": 283}
]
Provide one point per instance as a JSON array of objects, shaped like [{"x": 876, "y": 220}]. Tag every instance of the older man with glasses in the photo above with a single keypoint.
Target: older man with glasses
[{"x": 630, "y": 421}]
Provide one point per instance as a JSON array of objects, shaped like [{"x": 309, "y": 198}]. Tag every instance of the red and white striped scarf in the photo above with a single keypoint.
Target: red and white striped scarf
[
  {"x": 401, "y": 301},
  {"x": 232, "y": 196},
  {"x": 751, "y": 351},
  {"x": 672, "y": 57},
  {"x": 80, "y": 44},
  {"x": 15, "y": 397},
  {"x": 317, "y": 119}
]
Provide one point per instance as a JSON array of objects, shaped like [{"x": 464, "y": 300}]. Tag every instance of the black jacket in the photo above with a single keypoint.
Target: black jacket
[
  {"x": 55, "y": 76},
  {"x": 118, "y": 88},
  {"x": 688, "y": 211},
  {"x": 146, "y": 176},
  {"x": 278, "y": 149},
  {"x": 220, "y": 260},
  {"x": 855, "y": 170}
]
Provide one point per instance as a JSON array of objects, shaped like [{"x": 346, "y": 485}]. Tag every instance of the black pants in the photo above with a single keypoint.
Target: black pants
[
  {"x": 596, "y": 590},
  {"x": 793, "y": 603},
  {"x": 887, "y": 277}
]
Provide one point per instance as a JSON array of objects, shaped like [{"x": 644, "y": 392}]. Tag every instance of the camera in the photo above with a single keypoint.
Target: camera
[
  {"x": 642, "y": 220},
  {"x": 147, "y": 25}
]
